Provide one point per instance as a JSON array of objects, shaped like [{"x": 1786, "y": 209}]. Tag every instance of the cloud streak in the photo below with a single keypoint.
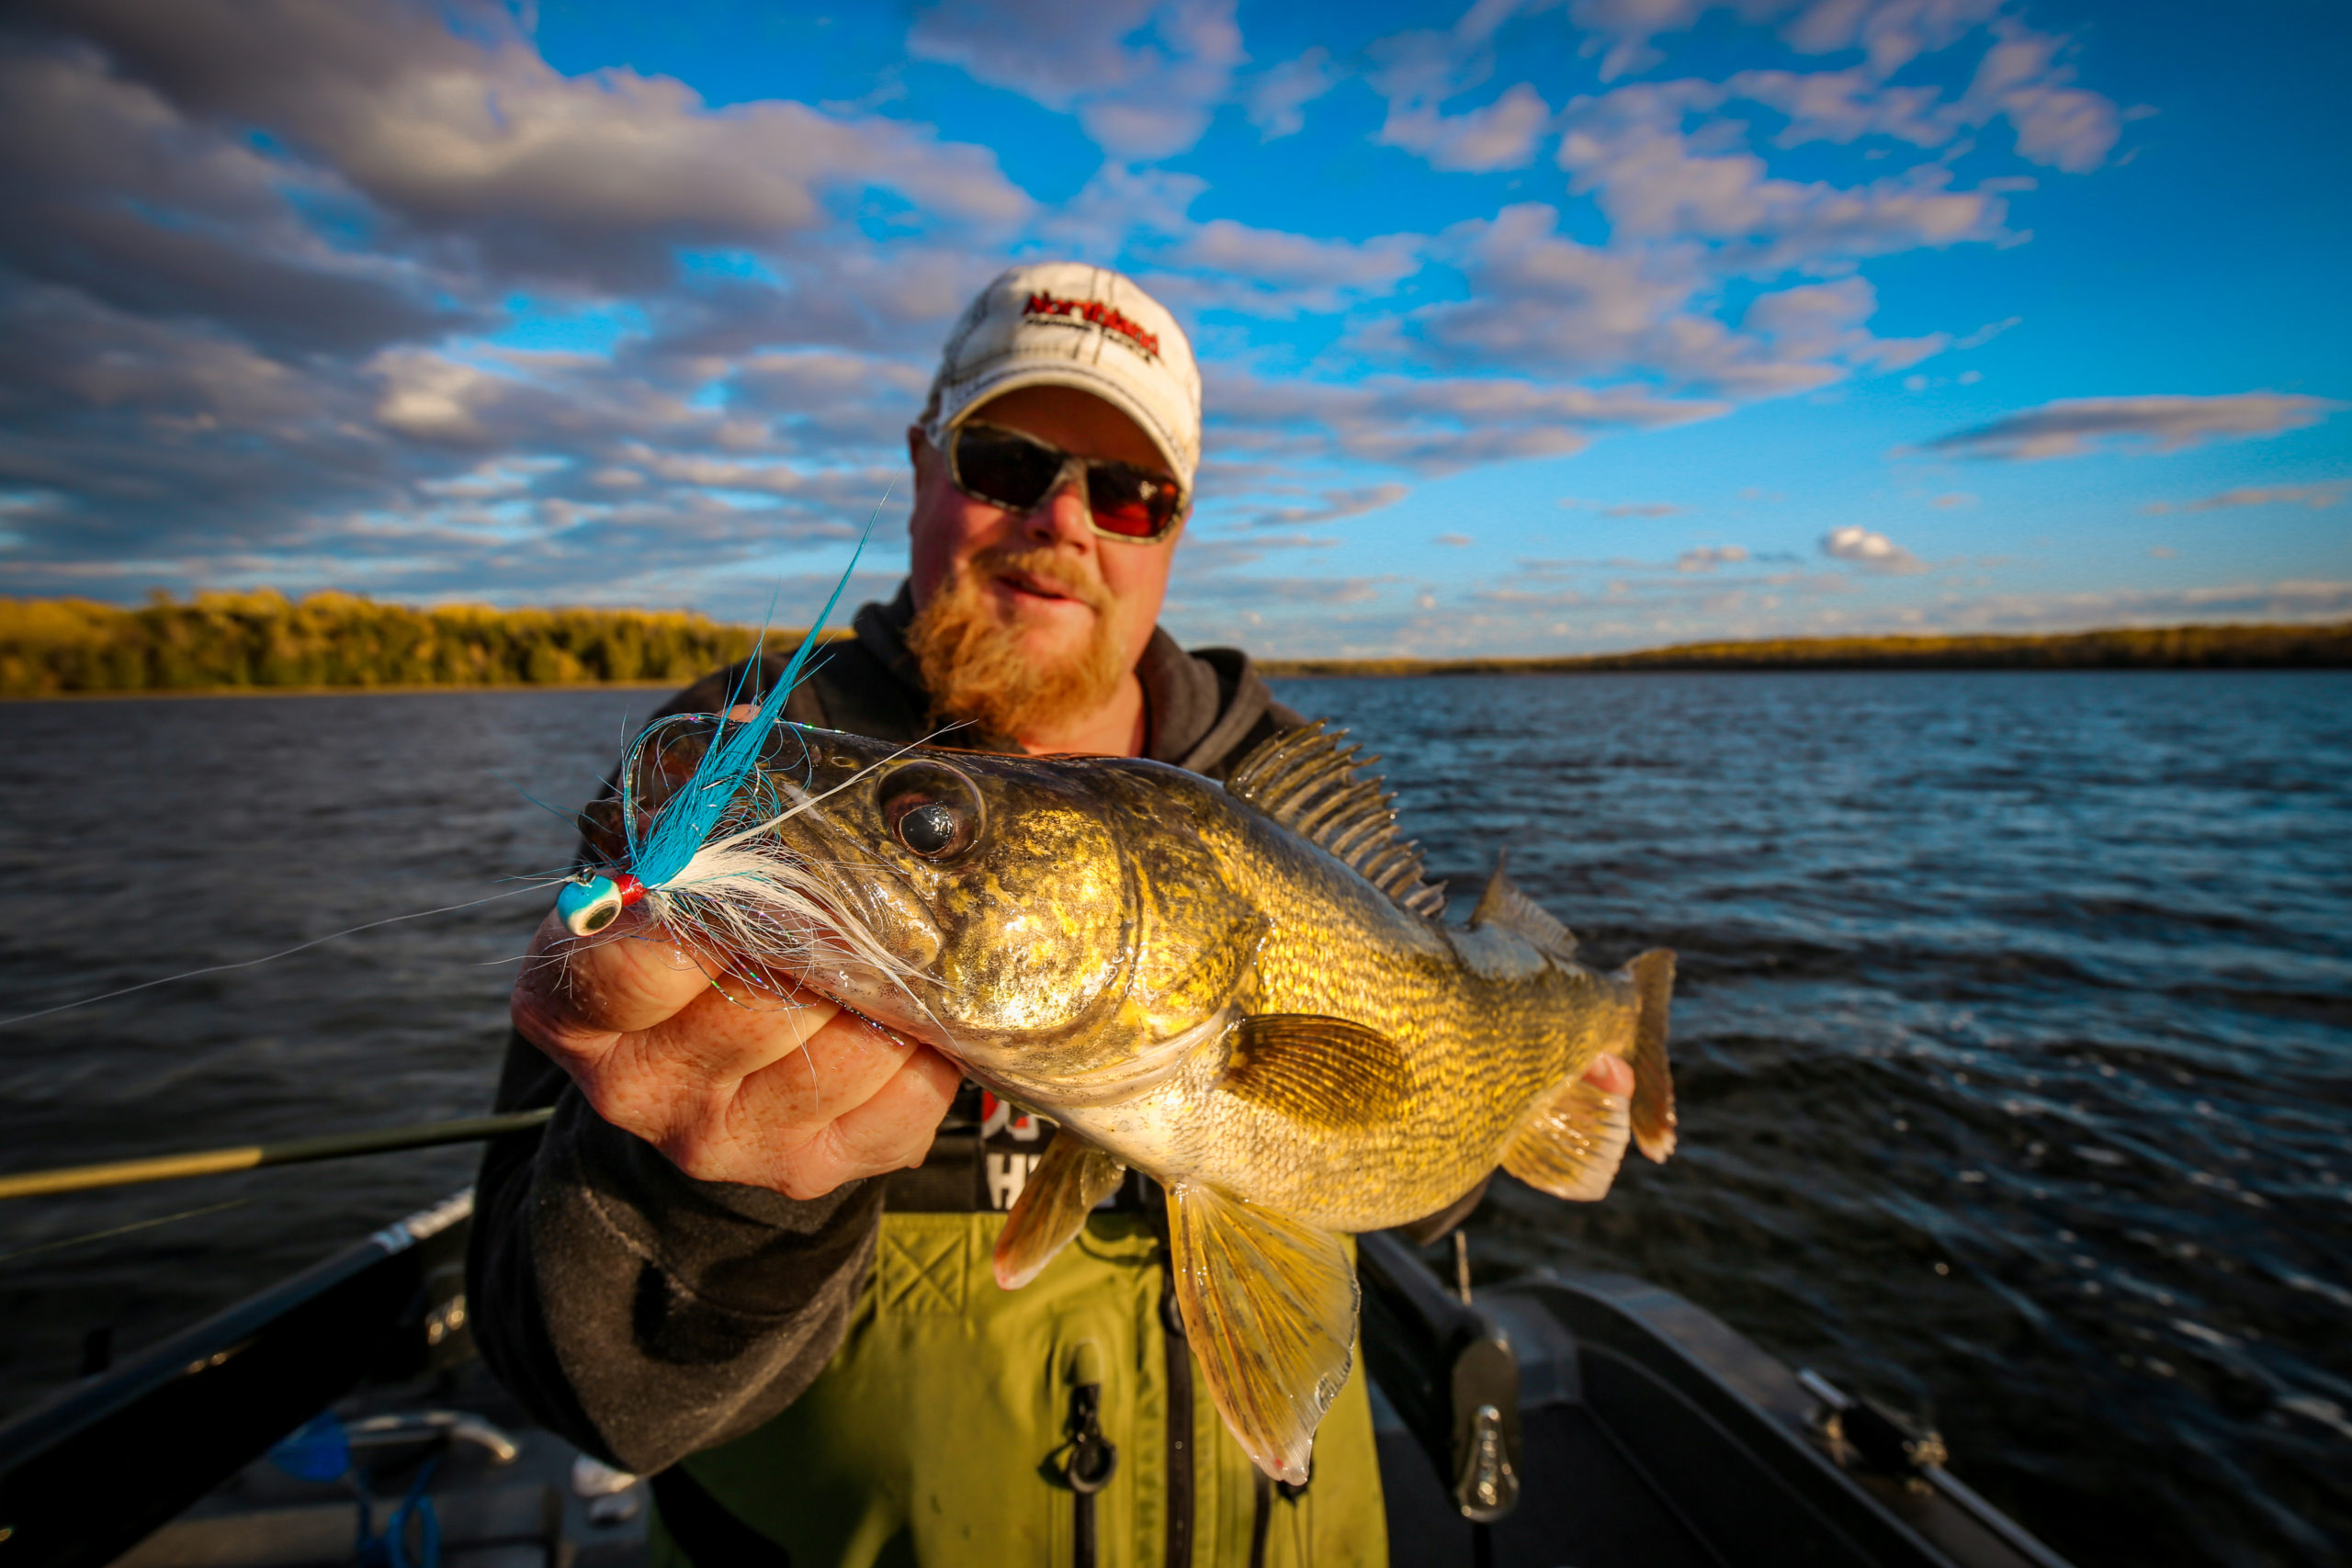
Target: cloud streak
[{"x": 2075, "y": 427}]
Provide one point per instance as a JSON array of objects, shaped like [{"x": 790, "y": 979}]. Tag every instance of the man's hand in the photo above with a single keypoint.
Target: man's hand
[{"x": 791, "y": 1095}]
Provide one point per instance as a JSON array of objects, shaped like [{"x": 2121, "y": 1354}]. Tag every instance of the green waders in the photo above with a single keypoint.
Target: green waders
[{"x": 944, "y": 1432}]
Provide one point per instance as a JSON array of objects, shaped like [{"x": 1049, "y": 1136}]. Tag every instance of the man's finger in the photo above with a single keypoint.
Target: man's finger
[
  {"x": 1610, "y": 1074},
  {"x": 726, "y": 1032},
  {"x": 627, "y": 978},
  {"x": 890, "y": 1130}
]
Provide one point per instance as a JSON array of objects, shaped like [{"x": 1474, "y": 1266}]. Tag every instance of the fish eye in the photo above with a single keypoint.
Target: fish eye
[
  {"x": 934, "y": 811},
  {"x": 930, "y": 829}
]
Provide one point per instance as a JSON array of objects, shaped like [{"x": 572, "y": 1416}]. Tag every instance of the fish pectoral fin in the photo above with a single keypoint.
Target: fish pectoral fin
[
  {"x": 1572, "y": 1147},
  {"x": 1320, "y": 1072},
  {"x": 1270, "y": 1307},
  {"x": 1073, "y": 1176}
]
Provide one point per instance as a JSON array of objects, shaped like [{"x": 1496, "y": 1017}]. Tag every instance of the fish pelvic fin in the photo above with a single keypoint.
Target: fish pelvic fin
[
  {"x": 1572, "y": 1146},
  {"x": 1503, "y": 905},
  {"x": 1652, "y": 975},
  {"x": 1270, "y": 1307},
  {"x": 1072, "y": 1178}
]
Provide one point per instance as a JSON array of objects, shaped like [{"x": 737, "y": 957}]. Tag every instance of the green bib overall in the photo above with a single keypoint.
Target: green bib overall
[{"x": 943, "y": 1432}]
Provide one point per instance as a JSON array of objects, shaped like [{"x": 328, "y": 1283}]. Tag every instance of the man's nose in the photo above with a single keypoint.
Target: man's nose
[{"x": 1061, "y": 518}]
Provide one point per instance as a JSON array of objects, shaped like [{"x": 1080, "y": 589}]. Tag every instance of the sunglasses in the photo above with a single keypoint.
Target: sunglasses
[{"x": 1004, "y": 468}]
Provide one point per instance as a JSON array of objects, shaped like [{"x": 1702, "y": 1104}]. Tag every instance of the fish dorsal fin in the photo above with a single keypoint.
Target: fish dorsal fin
[
  {"x": 1310, "y": 783},
  {"x": 1072, "y": 1178},
  {"x": 1269, "y": 1309},
  {"x": 1504, "y": 904}
]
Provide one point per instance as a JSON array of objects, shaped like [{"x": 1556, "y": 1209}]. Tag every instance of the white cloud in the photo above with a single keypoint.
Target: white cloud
[
  {"x": 1499, "y": 135},
  {"x": 1429, "y": 425},
  {"x": 1275, "y": 272},
  {"x": 1630, "y": 150},
  {"x": 1707, "y": 559},
  {"x": 1335, "y": 505},
  {"x": 1548, "y": 304},
  {"x": 1277, "y": 98},
  {"x": 1891, "y": 33},
  {"x": 2072, "y": 427},
  {"x": 1869, "y": 550},
  {"x": 2056, "y": 123},
  {"x": 1142, "y": 75},
  {"x": 2330, "y": 493}
]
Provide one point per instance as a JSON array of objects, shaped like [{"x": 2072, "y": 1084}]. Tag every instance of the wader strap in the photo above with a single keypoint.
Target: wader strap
[{"x": 706, "y": 1531}]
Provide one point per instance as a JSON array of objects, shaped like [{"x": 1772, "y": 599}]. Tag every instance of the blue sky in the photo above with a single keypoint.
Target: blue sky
[{"x": 1526, "y": 327}]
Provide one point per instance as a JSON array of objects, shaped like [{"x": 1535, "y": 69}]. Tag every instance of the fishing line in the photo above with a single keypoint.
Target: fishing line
[
  {"x": 270, "y": 958},
  {"x": 122, "y": 1230}
]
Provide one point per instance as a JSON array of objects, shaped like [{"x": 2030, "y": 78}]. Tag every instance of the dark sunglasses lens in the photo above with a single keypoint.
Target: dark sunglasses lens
[
  {"x": 1009, "y": 470},
  {"x": 1130, "y": 502}
]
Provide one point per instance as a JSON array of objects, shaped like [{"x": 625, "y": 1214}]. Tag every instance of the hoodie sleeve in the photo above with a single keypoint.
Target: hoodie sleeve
[{"x": 641, "y": 1313}]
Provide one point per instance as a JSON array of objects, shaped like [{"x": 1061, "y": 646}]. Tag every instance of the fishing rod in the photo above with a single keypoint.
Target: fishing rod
[{"x": 253, "y": 1156}]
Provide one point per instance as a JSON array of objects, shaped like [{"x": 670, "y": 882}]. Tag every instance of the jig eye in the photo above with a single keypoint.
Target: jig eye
[
  {"x": 931, "y": 809},
  {"x": 589, "y": 906}
]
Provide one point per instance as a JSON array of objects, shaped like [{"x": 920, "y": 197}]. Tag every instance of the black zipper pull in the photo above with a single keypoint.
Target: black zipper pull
[{"x": 1090, "y": 1459}]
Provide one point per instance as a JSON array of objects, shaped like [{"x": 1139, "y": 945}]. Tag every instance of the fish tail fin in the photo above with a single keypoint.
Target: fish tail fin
[
  {"x": 1652, "y": 974},
  {"x": 1572, "y": 1144}
]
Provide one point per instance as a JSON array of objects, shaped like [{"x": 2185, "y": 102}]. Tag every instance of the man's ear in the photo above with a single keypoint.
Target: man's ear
[{"x": 920, "y": 451}]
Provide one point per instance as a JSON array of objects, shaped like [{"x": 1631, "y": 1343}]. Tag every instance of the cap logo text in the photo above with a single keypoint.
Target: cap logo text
[{"x": 1094, "y": 313}]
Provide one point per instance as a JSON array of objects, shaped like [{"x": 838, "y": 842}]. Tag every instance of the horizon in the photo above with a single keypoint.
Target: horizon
[{"x": 1529, "y": 330}]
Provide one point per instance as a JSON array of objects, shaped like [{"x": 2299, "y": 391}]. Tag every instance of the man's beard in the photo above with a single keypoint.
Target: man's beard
[{"x": 977, "y": 669}]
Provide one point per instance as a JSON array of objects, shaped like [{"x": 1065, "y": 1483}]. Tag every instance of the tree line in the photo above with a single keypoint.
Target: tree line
[
  {"x": 262, "y": 640},
  {"x": 2218, "y": 646}
]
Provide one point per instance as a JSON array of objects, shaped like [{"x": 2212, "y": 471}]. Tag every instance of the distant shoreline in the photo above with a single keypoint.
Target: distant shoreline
[
  {"x": 2215, "y": 647},
  {"x": 448, "y": 689},
  {"x": 336, "y": 645}
]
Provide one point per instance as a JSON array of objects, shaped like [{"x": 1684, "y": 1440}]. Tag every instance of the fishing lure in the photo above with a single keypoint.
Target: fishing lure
[{"x": 703, "y": 857}]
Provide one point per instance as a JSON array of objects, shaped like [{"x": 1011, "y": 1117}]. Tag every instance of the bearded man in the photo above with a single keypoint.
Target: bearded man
[{"x": 749, "y": 1254}]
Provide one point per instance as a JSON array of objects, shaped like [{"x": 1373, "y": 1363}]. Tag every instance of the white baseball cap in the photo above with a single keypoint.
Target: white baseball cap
[{"x": 1068, "y": 324}]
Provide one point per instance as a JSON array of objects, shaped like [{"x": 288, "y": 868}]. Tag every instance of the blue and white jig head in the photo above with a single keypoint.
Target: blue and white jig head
[
  {"x": 660, "y": 860},
  {"x": 592, "y": 902}
]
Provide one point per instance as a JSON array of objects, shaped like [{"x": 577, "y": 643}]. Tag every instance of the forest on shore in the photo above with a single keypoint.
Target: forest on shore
[
  {"x": 237, "y": 642},
  {"x": 2218, "y": 646},
  {"x": 264, "y": 641}
]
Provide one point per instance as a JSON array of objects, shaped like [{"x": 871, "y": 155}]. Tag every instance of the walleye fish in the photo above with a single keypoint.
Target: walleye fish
[{"x": 1242, "y": 990}]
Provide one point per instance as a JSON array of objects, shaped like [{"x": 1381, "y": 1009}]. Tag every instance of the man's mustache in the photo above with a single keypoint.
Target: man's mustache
[{"x": 1045, "y": 565}]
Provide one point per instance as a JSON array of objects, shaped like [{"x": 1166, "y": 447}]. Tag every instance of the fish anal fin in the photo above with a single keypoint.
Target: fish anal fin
[
  {"x": 1652, "y": 974},
  {"x": 1503, "y": 905},
  {"x": 1572, "y": 1147},
  {"x": 1073, "y": 1176},
  {"x": 1270, "y": 1307},
  {"x": 1308, "y": 781},
  {"x": 1319, "y": 1072}
]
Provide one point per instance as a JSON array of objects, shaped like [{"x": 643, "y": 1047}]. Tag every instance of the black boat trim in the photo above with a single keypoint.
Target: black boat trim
[{"x": 91, "y": 1472}]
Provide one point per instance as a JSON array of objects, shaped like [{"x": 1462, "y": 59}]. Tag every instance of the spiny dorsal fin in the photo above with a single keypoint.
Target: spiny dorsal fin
[
  {"x": 1308, "y": 782},
  {"x": 1504, "y": 904}
]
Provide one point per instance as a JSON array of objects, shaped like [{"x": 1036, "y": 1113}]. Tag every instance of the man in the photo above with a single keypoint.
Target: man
[{"x": 750, "y": 1252}]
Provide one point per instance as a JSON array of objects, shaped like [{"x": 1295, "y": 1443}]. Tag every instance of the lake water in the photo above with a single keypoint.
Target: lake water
[{"x": 2014, "y": 1035}]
